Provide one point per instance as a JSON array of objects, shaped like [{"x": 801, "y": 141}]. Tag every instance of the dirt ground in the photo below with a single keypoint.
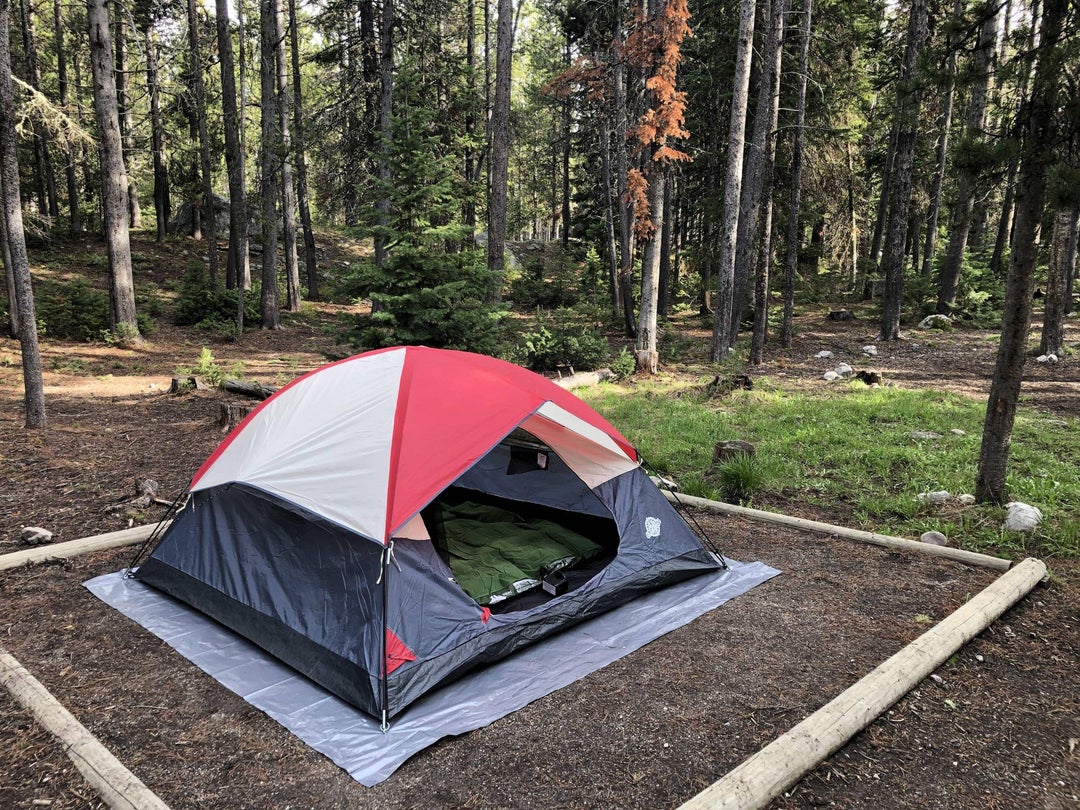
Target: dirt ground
[{"x": 1001, "y": 729}]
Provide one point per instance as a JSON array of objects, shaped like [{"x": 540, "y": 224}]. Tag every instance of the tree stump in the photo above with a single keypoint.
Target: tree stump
[{"x": 233, "y": 413}]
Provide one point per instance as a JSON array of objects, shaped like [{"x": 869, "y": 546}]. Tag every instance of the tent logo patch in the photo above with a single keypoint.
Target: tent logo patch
[{"x": 652, "y": 527}]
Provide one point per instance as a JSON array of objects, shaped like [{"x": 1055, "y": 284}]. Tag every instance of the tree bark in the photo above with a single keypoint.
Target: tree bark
[
  {"x": 908, "y": 97},
  {"x": 500, "y": 141},
  {"x": 19, "y": 265},
  {"x": 205, "y": 160},
  {"x": 386, "y": 110},
  {"x": 622, "y": 168},
  {"x": 1057, "y": 274},
  {"x": 285, "y": 159},
  {"x": 162, "y": 206},
  {"x": 729, "y": 228},
  {"x": 9, "y": 274},
  {"x": 791, "y": 246},
  {"x": 961, "y": 219},
  {"x": 761, "y": 152},
  {"x": 234, "y": 156},
  {"x": 663, "y": 301},
  {"x": 268, "y": 150},
  {"x": 941, "y": 156},
  {"x": 74, "y": 215},
  {"x": 1070, "y": 262},
  {"x": 302, "y": 195},
  {"x": 45, "y": 178},
  {"x": 761, "y": 285},
  {"x": 123, "y": 101},
  {"x": 609, "y": 212},
  {"x": 244, "y": 277},
  {"x": 114, "y": 180},
  {"x": 646, "y": 356},
  {"x": 1037, "y": 130}
]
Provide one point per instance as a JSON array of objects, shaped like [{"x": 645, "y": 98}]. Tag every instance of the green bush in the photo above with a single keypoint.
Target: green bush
[
  {"x": 72, "y": 311},
  {"x": 428, "y": 298},
  {"x": 623, "y": 364},
  {"x": 211, "y": 307},
  {"x": 554, "y": 343},
  {"x": 740, "y": 477},
  {"x": 549, "y": 278}
]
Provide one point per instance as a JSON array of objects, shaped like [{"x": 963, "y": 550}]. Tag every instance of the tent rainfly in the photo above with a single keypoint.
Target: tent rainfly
[{"x": 388, "y": 522}]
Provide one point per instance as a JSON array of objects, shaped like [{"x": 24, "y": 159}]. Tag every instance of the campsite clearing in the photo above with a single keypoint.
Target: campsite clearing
[{"x": 650, "y": 730}]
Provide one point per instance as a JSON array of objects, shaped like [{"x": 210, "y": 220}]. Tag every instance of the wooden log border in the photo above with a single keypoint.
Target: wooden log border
[
  {"x": 958, "y": 554},
  {"x": 787, "y": 759},
  {"x": 118, "y": 787},
  {"x": 73, "y": 548}
]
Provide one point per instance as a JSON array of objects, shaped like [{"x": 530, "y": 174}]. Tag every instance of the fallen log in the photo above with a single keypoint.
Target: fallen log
[
  {"x": 782, "y": 763},
  {"x": 958, "y": 554},
  {"x": 117, "y": 786},
  {"x": 73, "y": 548},
  {"x": 255, "y": 390},
  {"x": 583, "y": 378}
]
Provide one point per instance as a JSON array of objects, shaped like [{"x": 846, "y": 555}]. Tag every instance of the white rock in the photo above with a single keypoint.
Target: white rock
[
  {"x": 844, "y": 370},
  {"x": 869, "y": 350},
  {"x": 1046, "y": 358},
  {"x": 829, "y": 376},
  {"x": 934, "y": 321},
  {"x": 934, "y": 538},
  {"x": 924, "y": 434},
  {"x": 35, "y": 535},
  {"x": 823, "y": 355},
  {"x": 1021, "y": 517},
  {"x": 957, "y": 432},
  {"x": 937, "y": 496},
  {"x": 965, "y": 499}
]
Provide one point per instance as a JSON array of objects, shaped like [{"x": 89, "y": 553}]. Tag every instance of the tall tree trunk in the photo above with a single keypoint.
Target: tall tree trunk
[
  {"x": 386, "y": 109},
  {"x": 288, "y": 184},
  {"x": 162, "y": 207},
  {"x": 123, "y": 101},
  {"x": 758, "y": 161},
  {"x": 761, "y": 285},
  {"x": 1037, "y": 130},
  {"x": 114, "y": 180},
  {"x": 1070, "y": 261},
  {"x": 244, "y": 278},
  {"x": 883, "y": 201},
  {"x": 663, "y": 301},
  {"x": 310, "y": 270},
  {"x": 907, "y": 117},
  {"x": 205, "y": 161},
  {"x": 74, "y": 216},
  {"x": 961, "y": 219},
  {"x": 22, "y": 302},
  {"x": 1057, "y": 274},
  {"x": 234, "y": 157},
  {"x": 791, "y": 242},
  {"x": 566, "y": 129},
  {"x": 646, "y": 356},
  {"x": 45, "y": 178},
  {"x": 9, "y": 271},
  {"x": 622, "y": 168},
  {"x": 941, "y": 155},
  {"x": 729, "y": 228},
  {"x": 610, "y": 206},
  {"x": 269, "y": 146},
  {"x": 500, "y": 141}
]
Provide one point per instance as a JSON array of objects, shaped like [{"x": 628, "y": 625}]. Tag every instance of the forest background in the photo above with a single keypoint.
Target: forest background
[{"x": 645, "y": 163}]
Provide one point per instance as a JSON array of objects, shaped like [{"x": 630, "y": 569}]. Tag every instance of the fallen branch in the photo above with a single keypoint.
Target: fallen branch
[
  {"x": 73, "y": 548},
  {"x": 958, "y": 554},
  {"x": 117, "y": 786},
  {"x": 583, "y": 378},
  {"x": 248, "y": 389},
  {"x": 782, "y": 763}
]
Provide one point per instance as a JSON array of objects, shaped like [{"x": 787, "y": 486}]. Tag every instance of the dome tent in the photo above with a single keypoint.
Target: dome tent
[{"x": 387, "y": 522}]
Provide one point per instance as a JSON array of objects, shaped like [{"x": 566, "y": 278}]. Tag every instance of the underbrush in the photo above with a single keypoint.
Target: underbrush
[{"x": 849, "y": 453}]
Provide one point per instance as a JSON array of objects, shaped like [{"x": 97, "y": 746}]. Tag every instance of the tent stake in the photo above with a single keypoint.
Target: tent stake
[
  {"x": 117, "y": 786},
  {"x": 957, "y": 554},
  {"x": 782, "y": 763}
]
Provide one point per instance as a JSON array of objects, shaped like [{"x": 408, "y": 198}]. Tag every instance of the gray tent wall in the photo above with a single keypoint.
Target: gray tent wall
[{"x": 310, "y": 592}]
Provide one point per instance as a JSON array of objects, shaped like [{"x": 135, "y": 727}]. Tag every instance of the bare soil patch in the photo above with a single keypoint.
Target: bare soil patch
[{"x": 1002, "y": 729}]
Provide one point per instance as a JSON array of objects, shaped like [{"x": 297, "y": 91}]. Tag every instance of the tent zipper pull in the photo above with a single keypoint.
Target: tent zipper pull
[
  {"x": 385, "y": 559},
  {"x": 391, "y": 557}
]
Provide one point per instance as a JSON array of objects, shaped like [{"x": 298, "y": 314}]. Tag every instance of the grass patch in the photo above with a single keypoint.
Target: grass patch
[{"x": 848, "y": 450}]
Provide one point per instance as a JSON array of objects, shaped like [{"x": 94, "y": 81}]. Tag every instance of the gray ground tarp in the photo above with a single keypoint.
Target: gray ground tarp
[{"x": 350, "y": 737}]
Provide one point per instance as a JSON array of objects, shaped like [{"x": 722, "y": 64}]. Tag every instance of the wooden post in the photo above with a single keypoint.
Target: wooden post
[
  {"x": 958, "y": 554},
  {"x": 118, "y": 787},
  {"x": 72, "y": 548},
  {"x": 782, "y": 763}
]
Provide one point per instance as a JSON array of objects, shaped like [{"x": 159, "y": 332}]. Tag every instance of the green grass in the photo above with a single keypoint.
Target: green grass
[{"x": 847, "y": 451}]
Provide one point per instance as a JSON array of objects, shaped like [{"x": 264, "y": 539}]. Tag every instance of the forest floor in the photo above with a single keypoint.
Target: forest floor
[{"x": 1002, "y": 728}]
